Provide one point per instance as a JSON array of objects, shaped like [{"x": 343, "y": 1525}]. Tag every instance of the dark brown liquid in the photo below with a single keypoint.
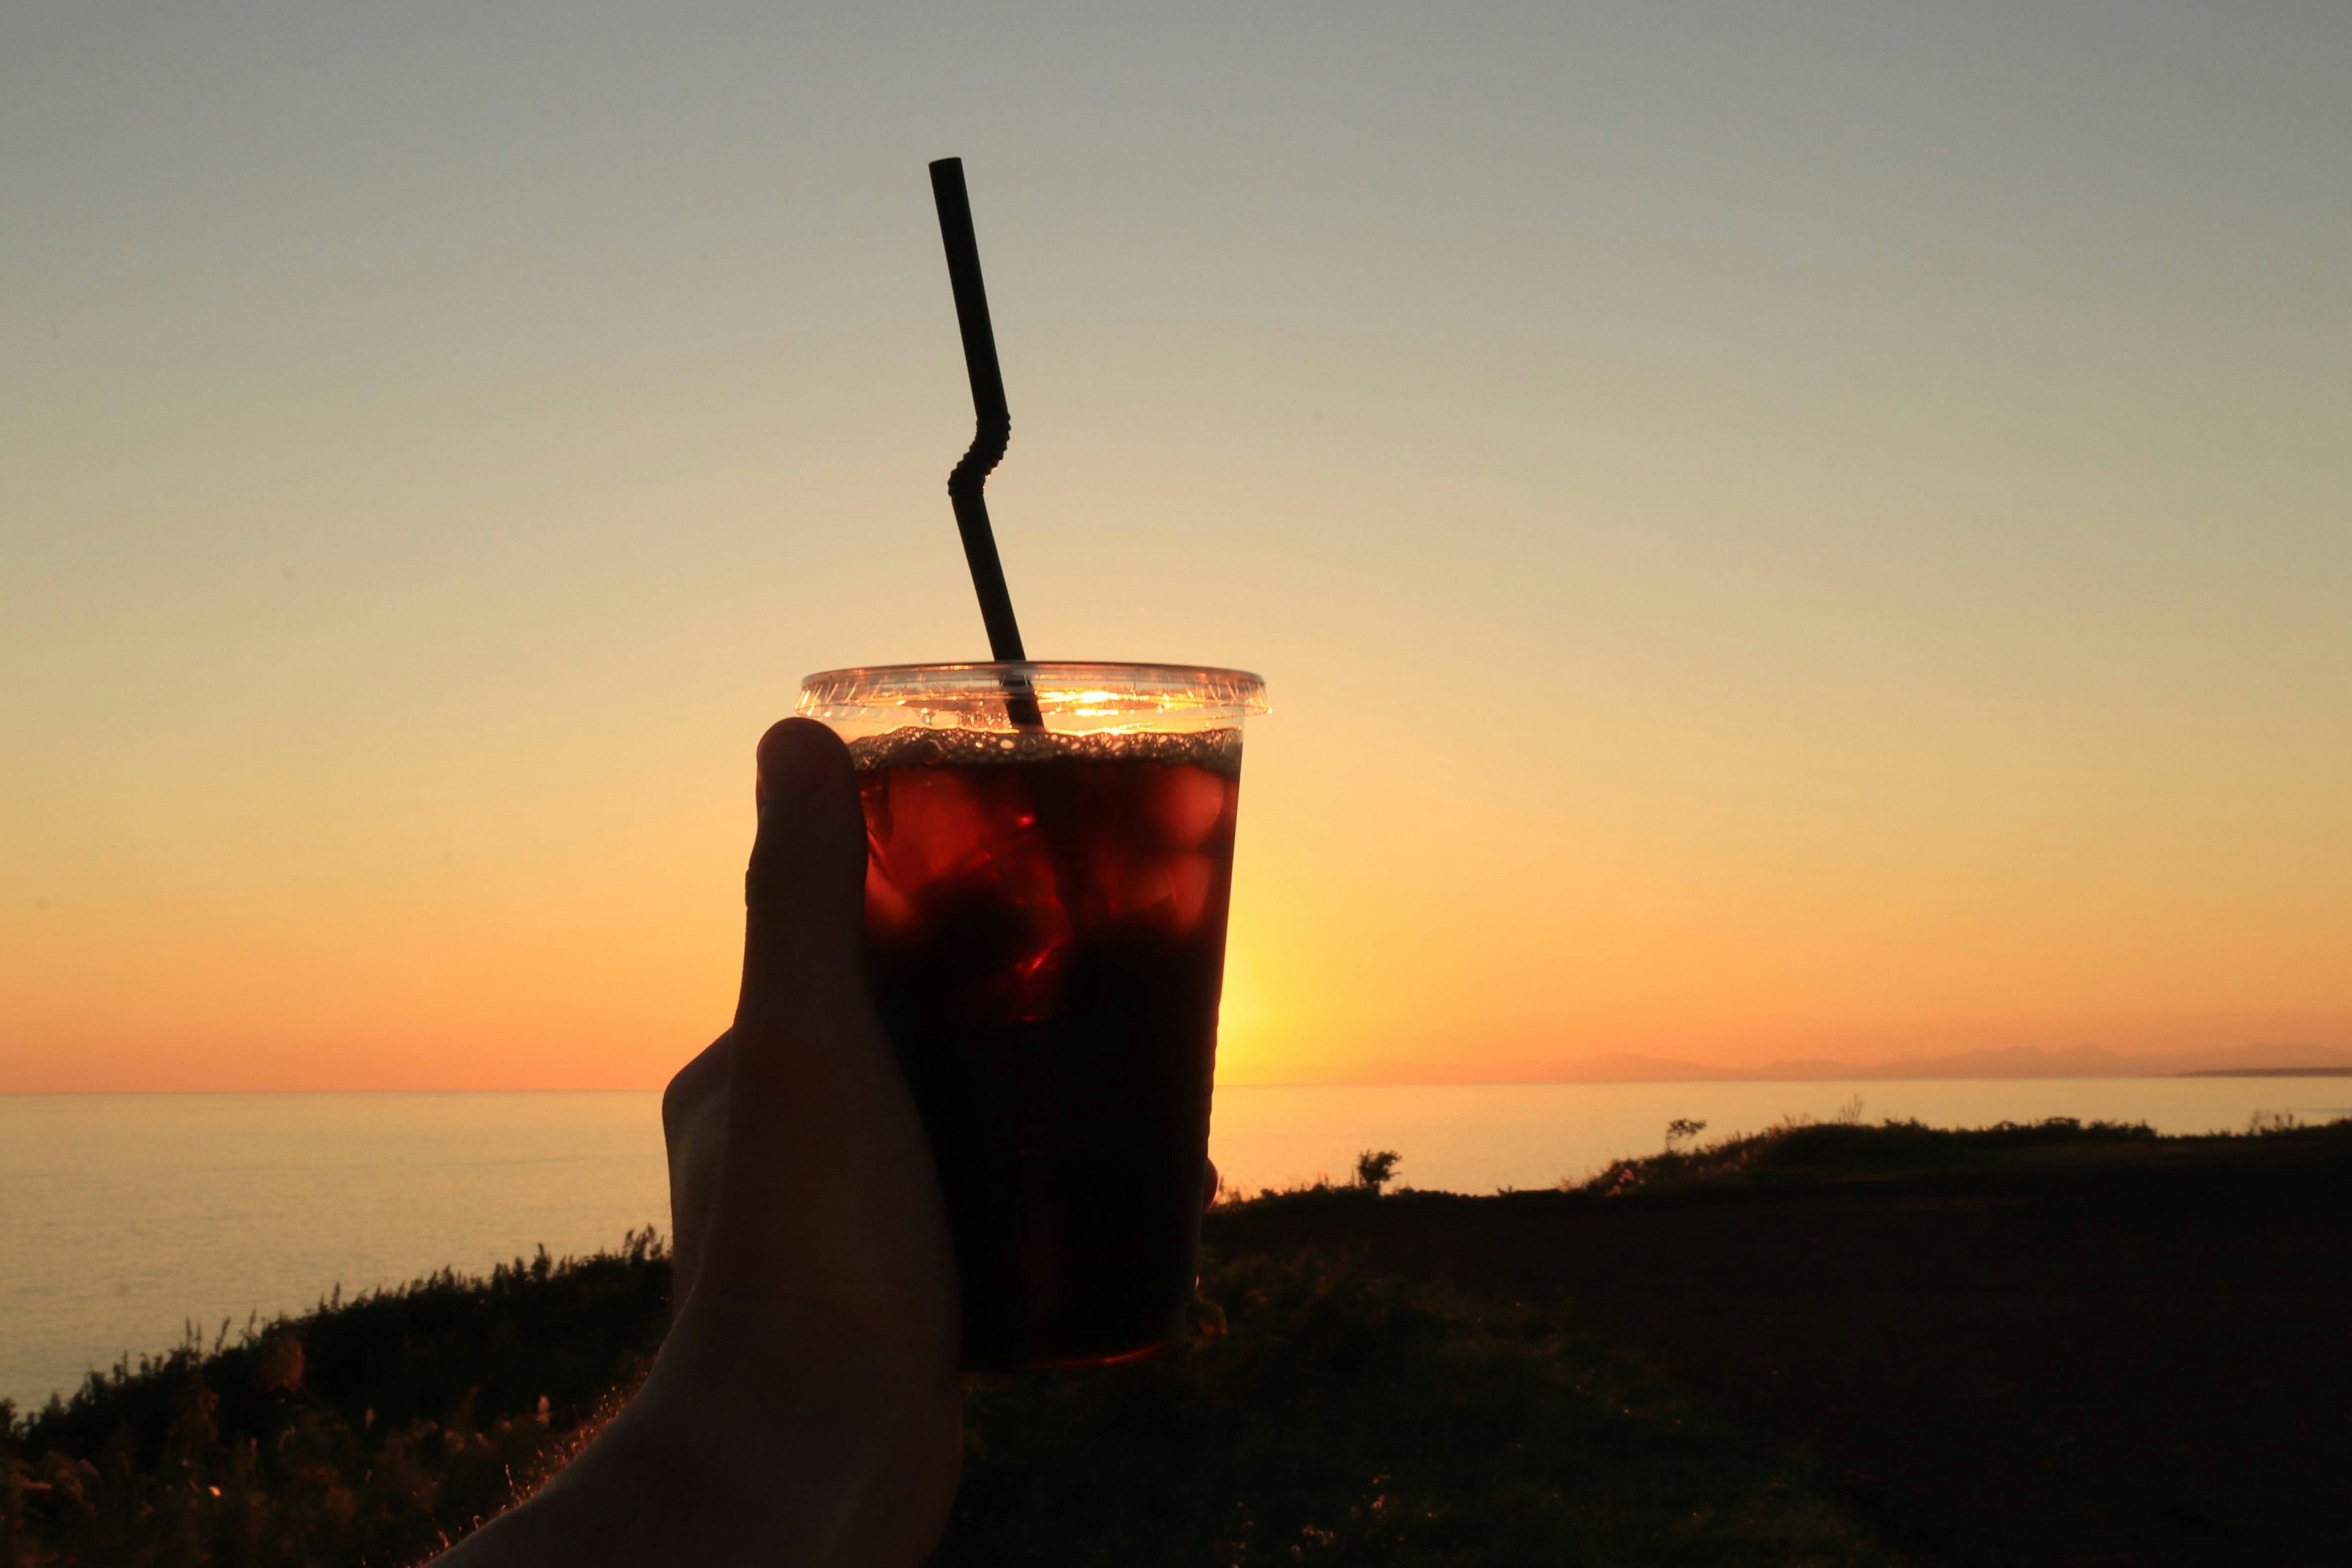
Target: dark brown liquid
[{"x": 1045, "y": 927}]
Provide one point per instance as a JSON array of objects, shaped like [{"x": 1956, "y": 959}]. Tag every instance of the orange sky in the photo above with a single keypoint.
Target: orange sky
[{"x": 1767, "y": 542}]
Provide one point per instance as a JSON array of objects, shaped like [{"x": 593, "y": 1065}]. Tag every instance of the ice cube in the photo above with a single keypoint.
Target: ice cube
[
  {"x": 934, "y": 827},
  {"x": 1190, "y": 877},
  {"x": 1187, "y": 805}
]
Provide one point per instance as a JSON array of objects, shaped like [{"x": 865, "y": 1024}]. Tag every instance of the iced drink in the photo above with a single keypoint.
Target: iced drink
[{"x": 1045, "y": 933}]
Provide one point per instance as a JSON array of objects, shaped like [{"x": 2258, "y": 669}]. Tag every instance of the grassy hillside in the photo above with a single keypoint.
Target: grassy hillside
[
  {"x": 2045, "y": 1344},
  {"x": 1417, "y": 1378},
  {"x": 1321, "y": 1414},
  {"x": 371, "y": 1430}
]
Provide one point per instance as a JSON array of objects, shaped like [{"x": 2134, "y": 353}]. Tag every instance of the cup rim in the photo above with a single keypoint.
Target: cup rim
[{"x": 1165, "y": 688}]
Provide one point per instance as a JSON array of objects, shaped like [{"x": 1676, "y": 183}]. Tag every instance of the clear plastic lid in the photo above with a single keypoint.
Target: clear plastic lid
[{"x": 1071, "y": 699}]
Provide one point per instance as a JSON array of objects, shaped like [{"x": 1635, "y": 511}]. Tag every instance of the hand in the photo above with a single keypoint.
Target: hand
[{"x": 806, "y": 1408}]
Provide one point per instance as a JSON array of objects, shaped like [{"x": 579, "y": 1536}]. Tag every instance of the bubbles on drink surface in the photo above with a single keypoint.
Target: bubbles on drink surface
[{"x": 1218, "y": 750}]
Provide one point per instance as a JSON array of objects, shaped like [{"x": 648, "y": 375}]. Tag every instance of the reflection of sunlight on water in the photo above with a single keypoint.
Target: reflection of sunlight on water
[{"x": 122, "y": 1217}]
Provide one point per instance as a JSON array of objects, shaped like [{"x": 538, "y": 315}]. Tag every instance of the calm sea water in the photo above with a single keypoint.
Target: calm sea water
[{"x": 125, "y": 1218}]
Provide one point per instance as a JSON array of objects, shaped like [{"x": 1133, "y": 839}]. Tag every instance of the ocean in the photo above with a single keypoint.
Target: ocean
[{"x": 128, "y": 1220}]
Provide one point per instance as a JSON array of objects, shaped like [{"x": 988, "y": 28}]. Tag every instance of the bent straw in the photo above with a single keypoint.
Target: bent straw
[
  {"x": 992, "y": 432},
  {"x": 993, "y": 419}
]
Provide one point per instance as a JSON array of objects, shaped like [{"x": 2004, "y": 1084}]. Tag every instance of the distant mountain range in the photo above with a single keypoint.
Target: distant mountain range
[{"x": 2024, "y": 1061}]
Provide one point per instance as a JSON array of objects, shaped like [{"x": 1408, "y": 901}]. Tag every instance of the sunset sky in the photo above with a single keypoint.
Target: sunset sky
[{"x": 1772, "y": 531}]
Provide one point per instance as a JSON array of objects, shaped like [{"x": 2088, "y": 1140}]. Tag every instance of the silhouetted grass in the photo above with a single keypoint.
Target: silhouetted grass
[
  {"x": 1812, "y": 1150},
  {"x": 371, "y": 1430},
  {"x": 1849, "y": 1148},
  {"x": 1325, "y": 1415},
  {"x": 1320, "y": 1414}
]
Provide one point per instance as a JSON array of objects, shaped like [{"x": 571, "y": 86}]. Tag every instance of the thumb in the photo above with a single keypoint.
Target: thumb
[
  {"x": 828, "y": 1193},
  {"x": 805, "y": 891}
]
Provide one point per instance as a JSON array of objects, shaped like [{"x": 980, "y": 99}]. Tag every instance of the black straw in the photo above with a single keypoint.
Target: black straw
[{"x": 993, "y": 418}]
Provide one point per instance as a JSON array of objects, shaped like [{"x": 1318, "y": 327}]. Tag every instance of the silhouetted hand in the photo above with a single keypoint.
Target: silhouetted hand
[{"x": 806, "y": 1408}]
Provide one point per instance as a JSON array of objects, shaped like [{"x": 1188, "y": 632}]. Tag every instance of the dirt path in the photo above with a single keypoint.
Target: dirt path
[{"x": 2136, "y": 1356}]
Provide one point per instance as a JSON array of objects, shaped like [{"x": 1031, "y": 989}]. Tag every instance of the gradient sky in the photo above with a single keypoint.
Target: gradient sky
[{"x": 1774, "y": 529}]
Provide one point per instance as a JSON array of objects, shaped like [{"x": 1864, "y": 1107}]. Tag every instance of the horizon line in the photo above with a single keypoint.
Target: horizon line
[{"x": 2312, "y": 1070}]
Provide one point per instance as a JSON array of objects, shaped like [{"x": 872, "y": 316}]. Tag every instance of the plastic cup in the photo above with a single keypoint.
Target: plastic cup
[{"x": 1045, "y": 938}]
